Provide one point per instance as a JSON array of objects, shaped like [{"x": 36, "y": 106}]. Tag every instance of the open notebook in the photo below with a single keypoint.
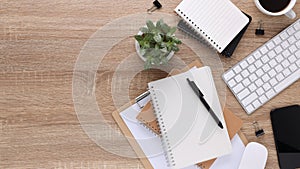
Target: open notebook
[
  {"x": 218, "y": 22},
  {"x": 189, "y": 133}
]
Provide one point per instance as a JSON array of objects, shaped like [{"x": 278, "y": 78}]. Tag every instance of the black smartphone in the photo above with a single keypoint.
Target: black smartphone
[{"x": 286, "y": 130}]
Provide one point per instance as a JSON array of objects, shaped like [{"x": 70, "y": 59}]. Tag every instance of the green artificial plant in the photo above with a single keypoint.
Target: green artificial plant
[{"x": 156, "y": 42}]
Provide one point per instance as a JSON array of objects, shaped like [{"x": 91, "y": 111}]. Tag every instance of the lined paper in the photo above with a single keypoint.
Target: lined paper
[{"x": 217, "y": 21}]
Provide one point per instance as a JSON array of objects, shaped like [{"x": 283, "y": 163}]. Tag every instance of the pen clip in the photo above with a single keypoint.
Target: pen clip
[
  {"x": 141, "y": 97},
  {"x": 195, "y": 87}
]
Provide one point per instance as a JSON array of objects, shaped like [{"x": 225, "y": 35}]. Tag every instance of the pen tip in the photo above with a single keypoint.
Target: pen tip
[{"x": 220, "y": 125}]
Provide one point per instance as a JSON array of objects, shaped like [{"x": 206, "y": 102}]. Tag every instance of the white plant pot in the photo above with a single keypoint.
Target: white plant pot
[{"x": 138, "y": 48}]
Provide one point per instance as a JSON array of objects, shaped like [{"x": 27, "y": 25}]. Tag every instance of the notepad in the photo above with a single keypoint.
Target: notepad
[
  {"x": 217, "y": 21},
  {"x": 149, "y": 143},
  {"x": 188, "y": 132}
]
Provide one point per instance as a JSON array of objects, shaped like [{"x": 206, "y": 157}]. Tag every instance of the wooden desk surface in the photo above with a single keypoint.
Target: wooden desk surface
[{"x": 39, "y": 44}]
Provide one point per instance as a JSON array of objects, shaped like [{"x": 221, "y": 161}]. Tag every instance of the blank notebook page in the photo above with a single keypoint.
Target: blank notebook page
[
  {"x": 217, "y": 21},
  {"x": 188, "y": 132}
]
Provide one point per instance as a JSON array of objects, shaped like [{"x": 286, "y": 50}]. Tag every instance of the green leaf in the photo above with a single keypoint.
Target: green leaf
[
  {"x": 164, "y": 50},
  {"x": 171, "y": 31},
  {"x": 144, "y": 30},
  {"x": 165, "y": 28},
  {"x": 138, "y": 37},
  {"x": 175, "y": 48},
  {"x": 150, "y": 25},
  {"x": 157, "y": 38}
]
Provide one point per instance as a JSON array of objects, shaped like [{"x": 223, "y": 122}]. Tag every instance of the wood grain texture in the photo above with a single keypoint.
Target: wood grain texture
[{"x": 39, "y": 44}]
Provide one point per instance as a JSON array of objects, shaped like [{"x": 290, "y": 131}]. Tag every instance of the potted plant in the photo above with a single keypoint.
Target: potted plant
[{"x": 156, "y": 43}]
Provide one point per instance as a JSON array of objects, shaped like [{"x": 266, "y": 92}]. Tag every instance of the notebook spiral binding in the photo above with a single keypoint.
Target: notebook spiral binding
[
  {"x": 194, "y": 26},
  {"x": 164, "y": 138},
  {"x": 182, "y": 25},
  {"x": 150, "y": 130}
]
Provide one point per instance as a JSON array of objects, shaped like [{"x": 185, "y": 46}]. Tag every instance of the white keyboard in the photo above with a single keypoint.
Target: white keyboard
[{"x": 267, "y": 71}]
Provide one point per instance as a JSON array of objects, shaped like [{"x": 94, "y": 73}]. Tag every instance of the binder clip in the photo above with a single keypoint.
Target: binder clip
[
  {"x": 156, "y": 5},
  {"x": 258, "y": 131},
  {"x": 141, "y": 97},
  {"x": 259, "y": 30}
]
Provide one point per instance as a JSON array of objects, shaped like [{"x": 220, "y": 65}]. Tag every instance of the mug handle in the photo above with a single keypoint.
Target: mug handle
[{"x": 291, "y": 14}]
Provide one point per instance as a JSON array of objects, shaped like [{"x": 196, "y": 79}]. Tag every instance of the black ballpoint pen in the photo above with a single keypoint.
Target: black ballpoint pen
[{"x": 200, "y": 95}]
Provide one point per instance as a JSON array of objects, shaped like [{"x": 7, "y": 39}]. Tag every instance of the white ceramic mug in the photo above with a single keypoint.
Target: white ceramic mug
[{"x": 287, "y": 11}]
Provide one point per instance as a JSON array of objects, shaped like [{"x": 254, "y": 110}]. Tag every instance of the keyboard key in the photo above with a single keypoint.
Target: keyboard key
[
  {"x": 293, "y": 48},
  {"x": 270, "y": 45},
  {"x": 263, "y": 99},
  {"x": 279, "y": 77},
  {"x": 245, "y": 73},
  {"x": 291, "y": 31},
  {"x": 266, "y": 86},
  {"x": 231, "y": 83},
  {"x": 249, "y": 99},
  {"x": 284, "y": 35},
  {"x": 250, "y": 108},
  {"x": 252, "y": 77},
  {"x": 286, "y": 53},
  {"x": 279, "y": 58},
  {"x": 270, "y": 93},
  {"x": 284, "y": 44},
  {"x": 297, "y": 54},
  {"x": 258, "y": 64},
  {"x": 297, "y": 26},
  {"x": 272, "y": 73},
  {"x": 271, "y": 54},
  {"x": 298, "y": 44},
  {"x": 297, "y": 35},
  {"x": 256, "y": 104},
  {"x": 238, "y": 78},
  {"x": 278, "y": 68},
  {"x": 286, "y": 72},
  {"x": 244, "y": 64},
  {"x": 285, "y": 63},
  {"x": 266, "y": 67},
  {"x": 277, "y": 40},
  {"x": 266, "y": 78},
  {"x": 251, "y": 68},
  {"x": 292, "y": 39},
  {"x": 259, "y": 72},
  {"x": 257, "y": 55},
  {"x": 278, "y": 49},
  {"x": 250, "y": 59},
  {"x": 238, "y": 88},
  {"x": 246, "y": 82},
  {"x": 263, "y": 50},
  {"x": 293, "y": 67},
  {"x": 298, "y": 63},
  {"x": 237, "y": 69},
  {"x": 228, "y": 75},
  {"x": 259, "y": 82},
  {"x": 287, "y": 81},
  {"x": 260, "y": 91},
  {"x": 292, "y": 59},
  {"x": 243, "y": 93},
  {"x": 273, "y": 82},
  {"x": 252, "y": 87},
  {"x": 265, "y": 59},
  {"x": 272, "y": 63}
]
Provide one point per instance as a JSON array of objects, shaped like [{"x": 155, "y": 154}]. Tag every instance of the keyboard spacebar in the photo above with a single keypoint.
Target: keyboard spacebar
[{"x": 287, "y": 81}]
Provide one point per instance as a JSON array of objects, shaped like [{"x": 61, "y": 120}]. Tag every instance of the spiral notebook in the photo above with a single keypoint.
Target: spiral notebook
[
  {"x": 217, "y": 21},
  {"x": 188, "y": 132},
  {"x": 230, "y": 48}
]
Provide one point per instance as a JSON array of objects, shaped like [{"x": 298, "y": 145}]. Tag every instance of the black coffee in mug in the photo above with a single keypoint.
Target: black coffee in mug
[{"x": 274, "y": 5}]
